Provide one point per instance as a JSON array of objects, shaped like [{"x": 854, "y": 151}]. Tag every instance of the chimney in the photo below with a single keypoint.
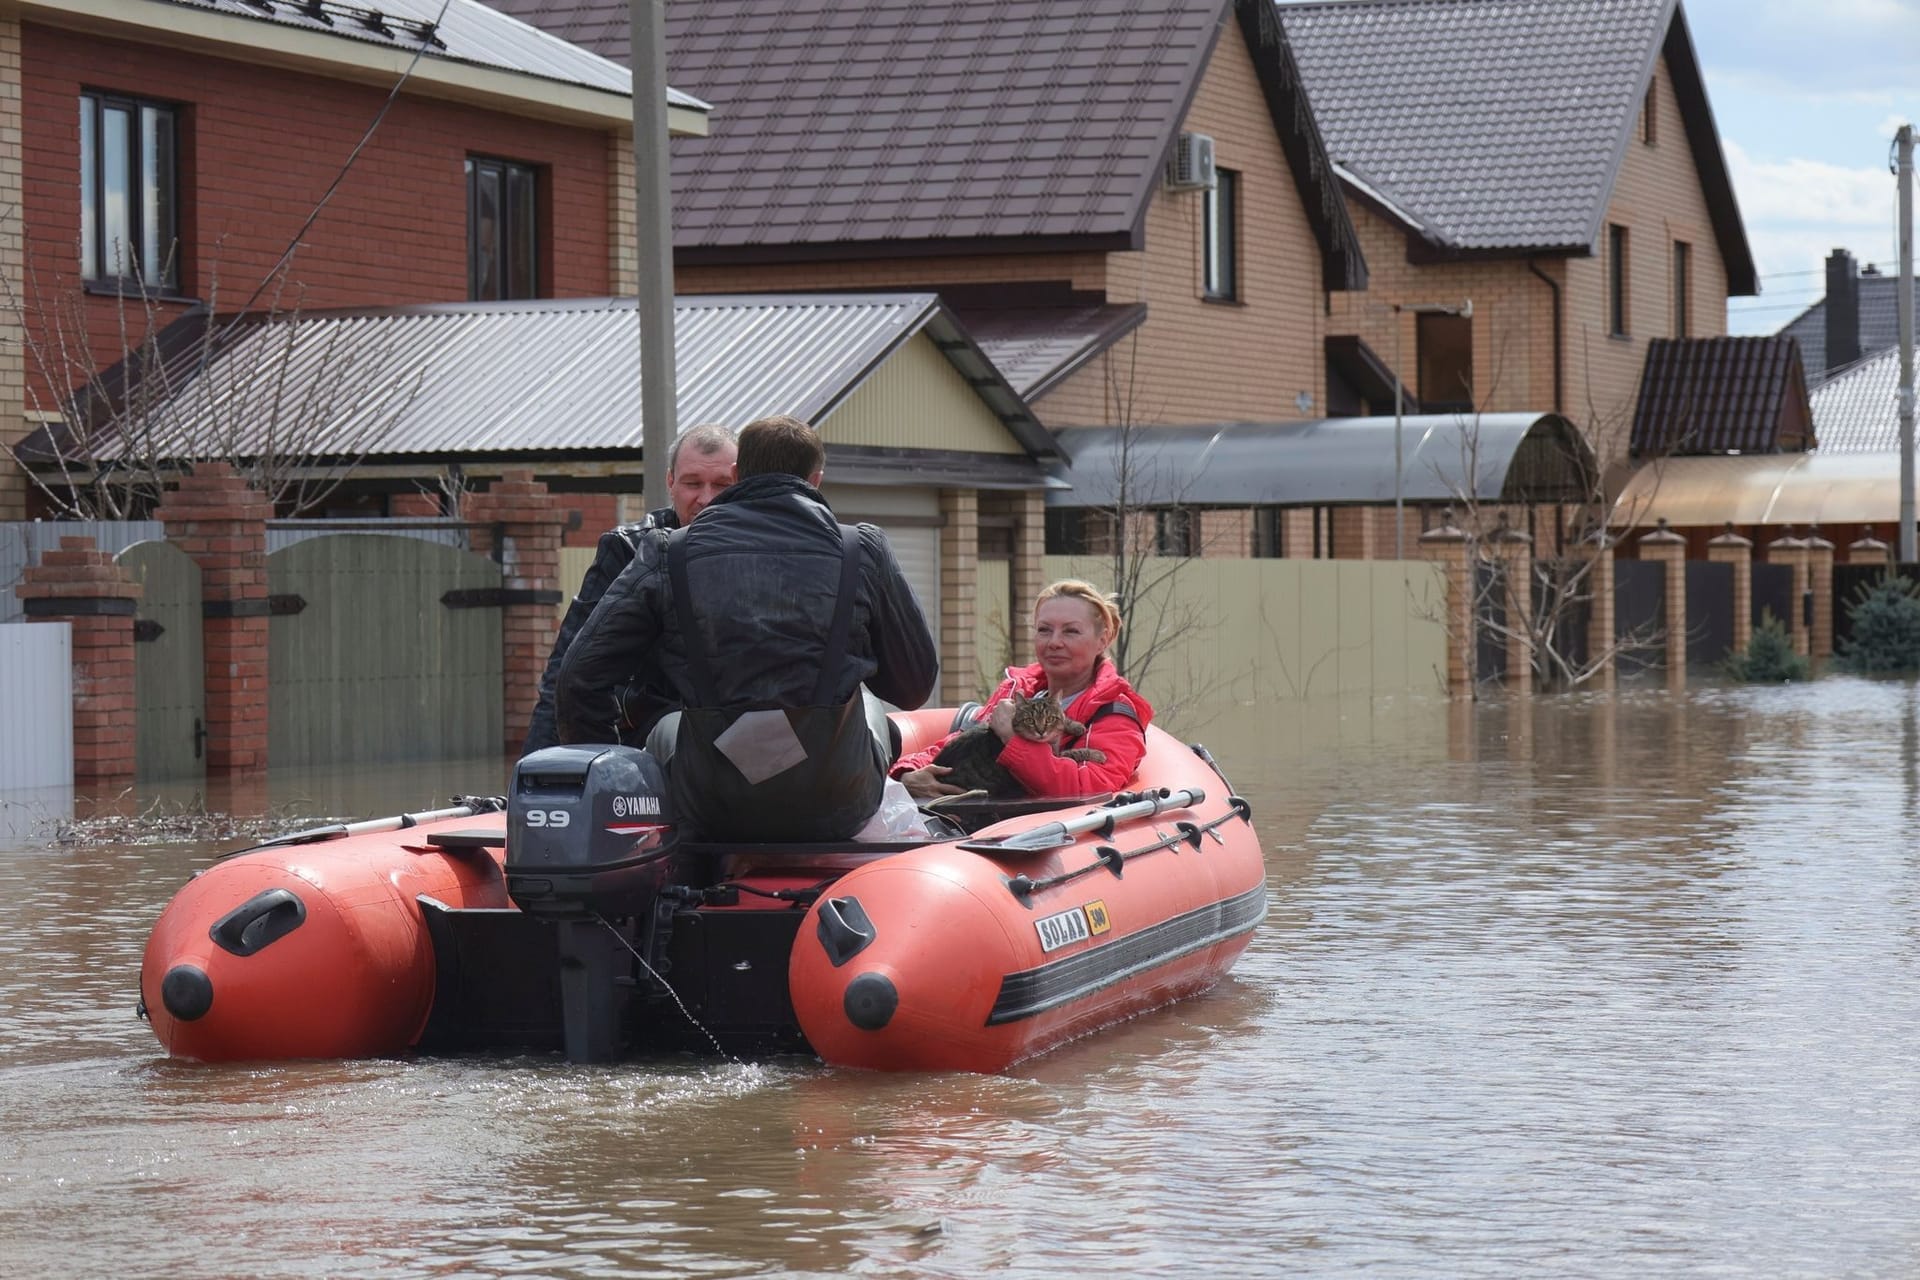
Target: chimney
[{"x": 1843, "y": 310}]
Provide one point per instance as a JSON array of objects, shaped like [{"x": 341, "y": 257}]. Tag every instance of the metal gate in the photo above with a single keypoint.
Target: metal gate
[
  {"x": 382, "y": 648},
  {"x": 1773, "y": 594},
  {"x": 169, "y": 676},
  {"x": 1709, "y": 613},
  {"x": 1639, "y": 614}
]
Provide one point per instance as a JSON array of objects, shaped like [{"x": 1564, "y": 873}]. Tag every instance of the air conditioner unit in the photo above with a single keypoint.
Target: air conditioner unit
[{"x": 1190, "y": 168}]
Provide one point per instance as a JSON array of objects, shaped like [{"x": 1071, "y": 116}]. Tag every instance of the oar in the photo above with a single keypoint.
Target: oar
[
  {"x": 1055, "y": 835},
  {"x": 398, "y": 822}
]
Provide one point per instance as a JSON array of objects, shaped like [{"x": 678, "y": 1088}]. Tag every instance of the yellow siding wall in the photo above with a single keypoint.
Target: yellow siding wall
[
  {"x": 1251, "y": 631},
  {"x": 917, "y": 400}
]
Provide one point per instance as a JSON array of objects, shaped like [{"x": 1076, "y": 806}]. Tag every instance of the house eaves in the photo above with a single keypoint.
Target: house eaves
[{"x": 463, "y": 52}]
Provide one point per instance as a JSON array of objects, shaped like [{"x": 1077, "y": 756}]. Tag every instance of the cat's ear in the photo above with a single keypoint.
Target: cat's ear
[{"x": 1019, "y": 699}]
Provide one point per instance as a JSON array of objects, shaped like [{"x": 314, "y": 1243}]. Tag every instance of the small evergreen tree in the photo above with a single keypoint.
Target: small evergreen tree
[
  {"x": 1886, "y": 630},
  {"x": 1769, "y": 657}
]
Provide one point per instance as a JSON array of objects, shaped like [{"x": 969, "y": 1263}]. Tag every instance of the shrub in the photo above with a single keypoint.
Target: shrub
[
  {"x": 1886, "y": 630},
  {"x": 1769, "y": 657}
]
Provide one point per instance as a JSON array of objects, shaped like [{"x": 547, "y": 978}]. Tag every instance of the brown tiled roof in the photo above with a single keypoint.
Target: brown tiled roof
[
  {"x": 905, "y": 126},
  {"x": 1722, "y": 395}
]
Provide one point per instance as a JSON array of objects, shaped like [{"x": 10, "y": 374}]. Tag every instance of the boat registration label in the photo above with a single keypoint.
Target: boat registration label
[{"x": 1064, "y": 928}]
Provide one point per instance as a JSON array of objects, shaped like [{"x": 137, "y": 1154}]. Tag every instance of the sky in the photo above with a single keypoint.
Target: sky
[{"x": 1807, "y": 95}]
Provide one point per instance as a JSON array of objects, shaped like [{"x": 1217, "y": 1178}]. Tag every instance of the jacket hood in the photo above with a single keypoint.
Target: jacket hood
[{"x": 1108, "y": 686}]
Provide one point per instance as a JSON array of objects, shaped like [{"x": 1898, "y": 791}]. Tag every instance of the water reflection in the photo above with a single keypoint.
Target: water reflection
[{"x": 1604, "y": 985}]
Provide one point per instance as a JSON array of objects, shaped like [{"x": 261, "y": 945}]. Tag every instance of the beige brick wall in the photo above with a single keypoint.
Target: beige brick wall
[
  {"x": 1196, "y": 361},
  {"x": 1658, "y": 199},
  {"x": 13, "y": 387},
  {"x": 621, "y": 232}
]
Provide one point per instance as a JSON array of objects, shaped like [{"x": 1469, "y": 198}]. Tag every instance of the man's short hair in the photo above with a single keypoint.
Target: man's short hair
[
  {"x": 707, "y": 439},
  {"x": 780, "y": 445}
]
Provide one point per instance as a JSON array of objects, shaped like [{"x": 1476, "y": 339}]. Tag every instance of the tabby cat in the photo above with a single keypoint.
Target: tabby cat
[{"x": 974, "y": 755}]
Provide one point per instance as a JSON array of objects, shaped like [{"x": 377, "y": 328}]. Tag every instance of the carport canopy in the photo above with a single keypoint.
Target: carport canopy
[
  {"x": 1764, "y": 489},
  {"x": 1496, "y": 457}
]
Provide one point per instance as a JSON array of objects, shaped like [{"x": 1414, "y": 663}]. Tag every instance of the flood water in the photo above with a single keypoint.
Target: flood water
[{"x": 1603, "y": 986}]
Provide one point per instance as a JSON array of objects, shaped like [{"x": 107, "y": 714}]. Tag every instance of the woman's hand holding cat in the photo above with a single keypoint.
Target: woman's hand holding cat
[{"x": 1000, "y": 720}]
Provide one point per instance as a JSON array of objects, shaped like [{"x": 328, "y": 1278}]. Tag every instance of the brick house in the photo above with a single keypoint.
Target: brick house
[
  {"x": 169, "y": 155},
  {"x": 1555, "y": 164}
]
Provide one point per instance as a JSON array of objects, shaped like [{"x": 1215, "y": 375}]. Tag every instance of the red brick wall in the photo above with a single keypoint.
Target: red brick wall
[
  {"x": 598, "y": 513},
  {"x": 260, "y": 146}
]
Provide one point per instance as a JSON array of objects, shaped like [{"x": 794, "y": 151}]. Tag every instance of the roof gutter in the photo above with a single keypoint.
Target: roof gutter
[{"x": 1559, "y": 356}]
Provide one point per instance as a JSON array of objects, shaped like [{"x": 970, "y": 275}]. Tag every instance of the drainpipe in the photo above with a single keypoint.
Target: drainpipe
[{"x": 1534, "y": 266}]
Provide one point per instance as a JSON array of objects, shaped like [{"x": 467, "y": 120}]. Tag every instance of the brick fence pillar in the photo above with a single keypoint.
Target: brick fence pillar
[
  {"x": 1353, "y": 535},
  {"x": 959, "y": 594},
  {"x": 1789, "y": 550},
  {"x": 1670, "y": 549},
  {"x": 1600, "y": 608},
  {"x": 1515, "y": 550},
  {"x": 529, "y": 524},
  {"x": 89, "y": 591},
  {"x": 1820, "y": 582},
  {"x": 214, "y": 517},
  {"x": 1868, "y": 550},
  {"x": 1447, "y": 547},
  {"x": 1732, "y": 549},
  {"x": 1029, "y": 569}
]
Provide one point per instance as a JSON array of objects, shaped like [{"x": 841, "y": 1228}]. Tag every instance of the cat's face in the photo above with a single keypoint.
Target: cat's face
[{"x": 1038, "y": 719}]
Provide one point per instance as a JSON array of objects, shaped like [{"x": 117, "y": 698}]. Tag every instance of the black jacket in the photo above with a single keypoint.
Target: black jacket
[
  {"x": 763, "y": 567},
  {"x": 614, "y": 554}
]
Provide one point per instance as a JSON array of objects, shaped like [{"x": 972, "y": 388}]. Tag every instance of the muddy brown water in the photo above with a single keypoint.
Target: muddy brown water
[{"x": 1593, "y": 986}]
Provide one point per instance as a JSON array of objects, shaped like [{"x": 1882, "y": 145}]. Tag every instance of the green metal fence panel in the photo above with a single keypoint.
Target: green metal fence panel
[
  {"x": 371, "y": 662},
  {"x": 169, "y": 675}
]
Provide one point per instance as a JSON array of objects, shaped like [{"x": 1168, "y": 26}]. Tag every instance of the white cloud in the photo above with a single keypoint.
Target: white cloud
[{"x": 1802, "y": 192}]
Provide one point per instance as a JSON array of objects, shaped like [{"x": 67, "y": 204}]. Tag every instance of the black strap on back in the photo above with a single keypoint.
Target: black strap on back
[
  {"x": 1101, "y": 712},
  {"x": 702, "y": 675}
]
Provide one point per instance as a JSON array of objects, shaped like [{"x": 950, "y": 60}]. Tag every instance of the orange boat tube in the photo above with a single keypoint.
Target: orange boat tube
[
  {"x": 311, "y": 950},
  {"x": 977, "y": 954}
]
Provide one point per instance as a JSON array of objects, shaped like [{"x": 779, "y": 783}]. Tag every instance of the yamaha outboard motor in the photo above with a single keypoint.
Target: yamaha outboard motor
[{"x": 590, "y": 845}]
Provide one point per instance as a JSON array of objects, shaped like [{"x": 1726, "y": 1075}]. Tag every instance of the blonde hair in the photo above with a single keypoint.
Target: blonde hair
[{"x": 1099, "y": 601}]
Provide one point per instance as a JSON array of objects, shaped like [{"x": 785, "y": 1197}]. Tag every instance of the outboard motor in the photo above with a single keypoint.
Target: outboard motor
[{"x": 590, "y": 845}]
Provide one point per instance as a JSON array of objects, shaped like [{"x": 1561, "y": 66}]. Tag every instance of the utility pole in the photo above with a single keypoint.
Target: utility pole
[
  {"x": 1903, "y": 142},
  {"x": 653, "y": 242}
]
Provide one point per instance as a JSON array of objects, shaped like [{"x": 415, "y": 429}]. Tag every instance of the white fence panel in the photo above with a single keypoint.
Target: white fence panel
[{"x": 36, "y": 705}]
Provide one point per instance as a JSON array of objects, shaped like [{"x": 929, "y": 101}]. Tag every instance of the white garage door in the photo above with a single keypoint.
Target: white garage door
[{"x": 908, "y": 516}]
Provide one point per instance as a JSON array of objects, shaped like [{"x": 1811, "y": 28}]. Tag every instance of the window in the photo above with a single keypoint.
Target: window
[
  {"x": 128, "y": 185},
  {"x": 1445, "y": 362},
  {"x": 1220, "y": 211},
  {"x": 1646, "y": 114},
  {"x": 1078, "y": 531},
  {"x": 1617, "y": 280},
  {"x": 1269, "y": 533},
  {"x": 1173, "y": 532},
  {"x": 503, "y": 234},
  {"x": 1682, "y": 273}
]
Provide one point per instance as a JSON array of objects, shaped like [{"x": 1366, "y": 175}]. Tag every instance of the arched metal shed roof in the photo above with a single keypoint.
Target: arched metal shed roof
[{"x": 1495, "y": 457}]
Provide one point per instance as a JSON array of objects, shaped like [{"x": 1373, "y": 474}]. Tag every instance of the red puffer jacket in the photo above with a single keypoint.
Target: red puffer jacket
[{"x": 1042, "y": 773}]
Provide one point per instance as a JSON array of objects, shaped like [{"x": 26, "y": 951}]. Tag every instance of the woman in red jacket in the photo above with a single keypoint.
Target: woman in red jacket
[{"x": 1073, "y": 623}]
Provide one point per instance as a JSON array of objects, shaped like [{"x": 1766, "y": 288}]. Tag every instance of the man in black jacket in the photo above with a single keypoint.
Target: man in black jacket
[
  {"x": 766, "y": 617},
  {"x": 699, "y": 466}
]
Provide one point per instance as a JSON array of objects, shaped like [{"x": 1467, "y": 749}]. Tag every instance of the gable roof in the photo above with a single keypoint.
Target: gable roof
[
  {"x": 1722, "y": 395},
  {"x": 1879, "y": 324},
  {"x": 529, "y": 378},
  {"x": 1499, "y": 126},
  {"x": 901, "y": 126},
  {"x": 466, "y": 48}
]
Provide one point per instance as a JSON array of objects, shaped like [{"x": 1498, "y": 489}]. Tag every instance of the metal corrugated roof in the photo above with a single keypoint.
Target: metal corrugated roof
[
  {"x": 552, "y": 375},
  {"x": 1857, "y": 410},
  {"x": 1333, "y": 460},
  {"x": 470, "y": 32}
]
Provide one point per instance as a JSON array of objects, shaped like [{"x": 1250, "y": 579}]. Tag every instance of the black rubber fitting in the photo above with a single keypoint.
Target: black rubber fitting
[
  {"x": 871, "y": 1000},
  {"x": 187, "y": 992}
]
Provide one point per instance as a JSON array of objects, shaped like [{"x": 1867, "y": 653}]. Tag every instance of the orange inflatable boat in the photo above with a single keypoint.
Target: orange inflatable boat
[{"x": 578, "y": 919}]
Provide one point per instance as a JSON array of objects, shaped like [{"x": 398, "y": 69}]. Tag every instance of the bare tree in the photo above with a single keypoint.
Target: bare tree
[{"x": 289, "y": 402}]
